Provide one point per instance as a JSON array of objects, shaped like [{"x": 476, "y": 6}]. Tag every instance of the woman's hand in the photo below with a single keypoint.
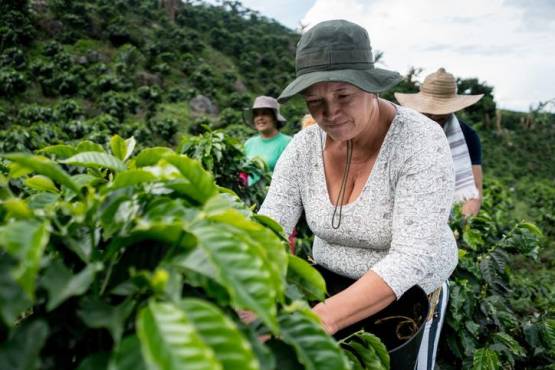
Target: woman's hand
[
  {"x": 246, "y": 316},
  {"x": 365, "y": 297},
  {"x": 471, "y": 207},
  {"x": 325, "y": 318}
]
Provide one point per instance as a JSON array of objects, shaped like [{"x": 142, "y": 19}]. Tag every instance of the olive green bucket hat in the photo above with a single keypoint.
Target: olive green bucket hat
[{"x": 337, "y": 51}]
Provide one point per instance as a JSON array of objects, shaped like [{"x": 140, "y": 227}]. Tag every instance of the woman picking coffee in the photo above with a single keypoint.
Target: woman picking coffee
[{"x": 375, "y": 180}]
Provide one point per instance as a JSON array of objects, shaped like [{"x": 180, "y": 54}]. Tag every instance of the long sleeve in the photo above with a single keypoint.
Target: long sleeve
[
  {"x": 423, "y": 197},
  {"x": 283, "y": 201}
]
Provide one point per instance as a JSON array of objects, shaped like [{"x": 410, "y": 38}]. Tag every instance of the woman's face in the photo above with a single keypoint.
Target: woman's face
[
  {"x": 263, "y": 119},
  {"x": 341, "y": 109}
]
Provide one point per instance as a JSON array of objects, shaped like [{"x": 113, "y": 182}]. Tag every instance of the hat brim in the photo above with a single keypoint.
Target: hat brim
[
  {"x": 436, "y": 105},
  {"x": 374, "y": 80}
]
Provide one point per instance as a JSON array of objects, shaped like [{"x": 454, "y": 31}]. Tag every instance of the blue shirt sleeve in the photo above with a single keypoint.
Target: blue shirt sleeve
[{"x": 473, "y": 142}]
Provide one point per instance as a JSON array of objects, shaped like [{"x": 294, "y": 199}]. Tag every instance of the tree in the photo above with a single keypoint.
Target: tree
[{"x": 483, "y": 110}]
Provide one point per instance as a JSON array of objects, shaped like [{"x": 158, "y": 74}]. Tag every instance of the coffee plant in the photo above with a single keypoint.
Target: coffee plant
[
  {"x": 497, "y": 317},
  {"x": 116, "y": 261}
]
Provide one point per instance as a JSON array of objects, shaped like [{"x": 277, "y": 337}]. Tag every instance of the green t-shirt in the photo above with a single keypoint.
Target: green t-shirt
[{"x": 267, "y": 149}]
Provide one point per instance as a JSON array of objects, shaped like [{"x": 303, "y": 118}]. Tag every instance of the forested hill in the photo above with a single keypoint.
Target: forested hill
[{"x": 146, "y": 67}]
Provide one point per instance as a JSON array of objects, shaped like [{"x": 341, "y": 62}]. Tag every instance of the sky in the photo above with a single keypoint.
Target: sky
[{"x": 508, "y": 44}]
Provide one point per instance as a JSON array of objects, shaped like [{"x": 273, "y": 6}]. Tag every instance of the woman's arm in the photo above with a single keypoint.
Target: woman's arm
[
  {"x": 423, "y": 201},
  {"x": 472, "y": 206},
  {"x": 365, "y": 297}
]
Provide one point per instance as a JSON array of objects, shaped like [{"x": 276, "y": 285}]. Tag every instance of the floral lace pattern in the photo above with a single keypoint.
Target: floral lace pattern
[{"x": 398, "y": 226}]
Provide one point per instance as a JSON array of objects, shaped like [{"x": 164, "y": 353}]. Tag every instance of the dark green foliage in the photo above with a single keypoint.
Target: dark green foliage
[
  {"x": 34, "y": 113},
  {"x": 514, "y": 154},
  {"x": 12, "y": 83},
  {"x": 14, "y": 58},
  {"x": 230, "y": 116},
  {"x": 125, "y": 58},
  {"x": 493, "y": 303},
  {"x": 16, "y": 27},
  {"x": 166, "y": 129}
]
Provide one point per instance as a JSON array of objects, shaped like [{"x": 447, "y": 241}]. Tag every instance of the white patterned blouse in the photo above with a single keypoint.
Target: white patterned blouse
[{"x": 398, "y": 226}]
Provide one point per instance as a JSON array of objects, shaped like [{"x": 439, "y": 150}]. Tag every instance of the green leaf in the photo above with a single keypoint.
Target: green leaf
[
  {"x": 151, "y": 156},
  {"x": 17, "y": 208},
  {"x": 368, "y": 356},
  {"x": 221, "y": 334},
  {"x": 13, "y": 300},
  {"x": 127, "y": 355},
  {"x": 369, "y": 349},
  {"x": 511, "y": 343},
  {"x": 44, "y": 166},
  {"x": 262, "y": 241},
  {"x": 41, "y": 183},
  {"x": 197, "y": 260},
  {"x": 548, "y": 332},
  {"x": 5, "y": 192},
  {"x": 485, "y": 359},
  {"x": 370, "y": 340},
  {"x": 355, "y": 363},
  {"x": 315, "y": 349},
  {"x": 86, "y": 180},
  {"x": 25, "y": 240},
  {"x": 122, "y": 149},
  {"x": 62, "y": 284},
  {"x": 532, "y": 228},
  {"x": 17, "y": 170},
  {"x": 98, "y": 314},
  {"x": 306, "y": 278},
  {"x": 169, "y": 340},
  {"x": 271, "y": 223},
  {"x": 22, "y": 350},
  {"x": 240, "y": 269},
  {"x": 61, "y": 151},
  {"x": 198, "y": 272},
  {"x": 131, "y": 177},
  {"x": 98, "y": 360},
  {"x": 89, "y": 146},
  {"x": 171, "y": 234},
  {"x": 202, "y": 185},
  {"x": 96, "y": 160},
  {"x": 284, "y": 356},
  {"x": 472, "y": 237}
]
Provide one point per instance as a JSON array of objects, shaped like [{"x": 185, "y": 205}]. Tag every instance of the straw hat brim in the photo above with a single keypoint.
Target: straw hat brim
[
  {"x": 373, "y": 80},
  {"x": 436, "y": 105}
]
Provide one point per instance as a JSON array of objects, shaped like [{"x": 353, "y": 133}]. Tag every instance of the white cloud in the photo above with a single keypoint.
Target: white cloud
[{"x": 496, "y": 41}]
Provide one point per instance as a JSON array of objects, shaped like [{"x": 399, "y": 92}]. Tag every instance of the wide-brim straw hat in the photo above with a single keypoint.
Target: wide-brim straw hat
[
  {"x": 337, "y": 51},
  {"x": 438, "y": 95},
  {"x": 267, "y": 102}
]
